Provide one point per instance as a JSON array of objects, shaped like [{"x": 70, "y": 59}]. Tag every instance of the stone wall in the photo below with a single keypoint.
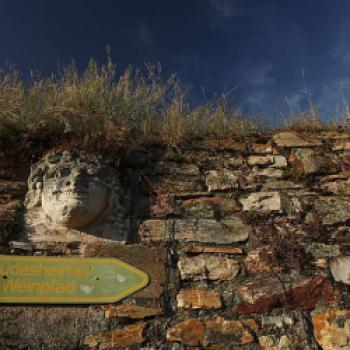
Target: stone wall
[{"x": 246, "y": 244}]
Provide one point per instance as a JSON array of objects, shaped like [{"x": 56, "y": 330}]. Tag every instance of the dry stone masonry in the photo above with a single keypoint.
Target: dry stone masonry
[{"x": 247, "y": 243}]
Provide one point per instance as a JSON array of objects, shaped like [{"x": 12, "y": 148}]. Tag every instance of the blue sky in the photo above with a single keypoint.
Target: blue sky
[{"x": 258, "y": 48}]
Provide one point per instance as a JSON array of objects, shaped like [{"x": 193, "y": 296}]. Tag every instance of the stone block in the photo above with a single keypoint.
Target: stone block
[
  {"x": 220, "y": 331},
  {"x": 258, "y": 261},
  {"x": 303, "y": 294},
  {"x": 332, "y": 328},
  {"x": 279, "y": 162},
  {"x": 291, "y": 140},
  {"x": 260, "y": 160},
  {"x": 190, "y": 332},
  {"x": 155, "y": 230},
  {"x": 340, "y": 268},
  {"x": 131, "y": 311},
  {"x": 210, "y": 207},
  {"x": 199, "y": 249},
  {"x": 208, "y": 267},
  {"x": 262, "y": 201},
  {"x": 311, "y": 162},
  {"x": 341, "y": 145},
  {"x": 333, "y": 210},
  {"x": 323, "y": 251},
  {"x": 228, "y": 231},
  {"x": 336, "y": 184},
  {"x": 116, "y": 338},
  {"x": 268, "y": 172},
  {"x": 221, "y": 180},
  {"x": 197, "y": 298},
  {"x": 259, "y": 148}
]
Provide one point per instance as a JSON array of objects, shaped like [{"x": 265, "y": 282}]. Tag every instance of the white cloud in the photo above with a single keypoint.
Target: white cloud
[
  {"x": 260, "y": 76},
  {"x": 226, "y": 8}
]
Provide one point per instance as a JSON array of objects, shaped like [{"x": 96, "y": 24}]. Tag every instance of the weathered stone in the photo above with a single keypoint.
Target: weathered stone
[
  {"x": 257, "y": 287},
  {"x": 211, "y": 231},
  {"x": 171, "y": 168},
  {"x": 340, "y": 268},
  {"x": 321, "y": 263},
  {"x": 304, "y": 296},
  {"x": 267, "y": 342},
  {"x": 210, "y": 207},
  {"x": 274, "y": 161},
  {"x": 116, "y": 338},
  {"x": 320, "y": 250},
  {"x": 208, "y": 267},
  {"x": 312, "y": 162},
  {"x": 48, "y": 327},
  {"x": 333, "y": 210},
  {"x": 195, "y": 249},
  {"x": 268, "y": 172},
  {"x": 262, "y": 201},
  {"x": 344, "y": 160},
  {"x": 151, "y": 260},
  {"x": 258, "y": 261},
  {"x": 285, "y": 342},
  {"x": 262, "y": 148},
  {"x": 331, "y": 178},
  {"x": 333, "y": 135},
  {"x": 276, "y": 185},
  {"x": 291, "y": 140},
  {"x": 229, "y": 332},
  {"x": 160, "y": 207},
  {"x": 332, "y": 329},
  {"x": 260, "y": 160},
  {"x": 221, "y": 161},
  {"x": 285, "y": 330},
  {"x": 291, "y": 205},
  {"x": 221, "y": 180},
  {"x": 339, "y": 185},
  {"x": 278, "y": 321},
  {"x": 177, "y": 185},
  {"x": 156, "y": 230},
  {"x": 43, "y": 248},
  {"x": 196, "y": 298},
  {"x": 233, "y": 162},
  {"x": 202, "y": 207},
  {"x": 341, "y": 145},
  {"x": 190, "y": 332},
  {"x": 279, "y": 162},
  {"x": 131, "y": 311}
]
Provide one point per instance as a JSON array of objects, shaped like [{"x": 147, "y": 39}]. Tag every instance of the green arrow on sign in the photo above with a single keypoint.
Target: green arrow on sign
[{"x": 59, "y": 280}]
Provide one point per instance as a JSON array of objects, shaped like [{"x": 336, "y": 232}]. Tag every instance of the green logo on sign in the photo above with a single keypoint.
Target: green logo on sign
[{"x": 28, "y": 279}]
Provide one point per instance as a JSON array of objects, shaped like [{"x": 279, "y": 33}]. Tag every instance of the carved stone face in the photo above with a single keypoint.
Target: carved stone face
[{"x": 74, "y": 196}]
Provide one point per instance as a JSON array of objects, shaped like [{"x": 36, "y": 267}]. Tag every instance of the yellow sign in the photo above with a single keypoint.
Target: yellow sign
[{"x": 66, "y": 280}]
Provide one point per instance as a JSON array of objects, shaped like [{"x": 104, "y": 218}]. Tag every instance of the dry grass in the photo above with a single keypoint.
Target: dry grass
[{"x": 100, "y": 108}]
